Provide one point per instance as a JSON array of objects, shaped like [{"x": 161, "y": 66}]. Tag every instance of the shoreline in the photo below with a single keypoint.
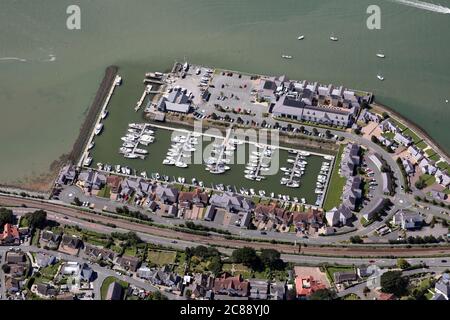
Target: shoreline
[
  {"x": 415, "y": 128},
  {"x": 44, "y": 182}
]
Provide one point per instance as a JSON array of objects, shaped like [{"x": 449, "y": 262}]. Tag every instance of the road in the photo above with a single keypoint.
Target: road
[{"x": 310, "y": 255}]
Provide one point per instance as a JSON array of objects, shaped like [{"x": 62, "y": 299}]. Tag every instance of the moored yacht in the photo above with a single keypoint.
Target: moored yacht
[{"x": 98, "y": 129}]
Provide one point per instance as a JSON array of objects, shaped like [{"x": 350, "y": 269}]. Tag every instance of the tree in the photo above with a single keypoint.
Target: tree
[
  {"x": 356, "y": 239},
  {"x": 6, "y": 268},
  {"x": 215, "y": 266},
  {"x": 315, "y": 131},
  {"x": 323, "y": 294},
  {"x": 385, "y": 115},
  {"x": 157, "y": 295},
  {"x": 246, "y": 256},
  {"x": 188, "y": 293},
  {"x": 374, "y": 139},
  {"x": 6, "y": 216},
  {"x": 402, "y": 263},
  {"x": 393, "y": 282},
  {"x": 77, "y": 202},
  {"x": 271, "y": 259},
  {"x": 420, "y": 184},
  {"x": 37, "y": 219}
]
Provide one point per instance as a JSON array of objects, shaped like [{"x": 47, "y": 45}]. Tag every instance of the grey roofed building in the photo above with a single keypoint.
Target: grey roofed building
[
  {"x": 144, "y": 272},
  {"x": 388, "y": 125},
  {"x": 416, "y": 153},
  {"x": 129, "y": 262},
  {"x": 374, "y": 208},
  {"x": 386, "y": 142},
  {"x": 340, "y": 277},
  {"x": 50, "y": 238},
  {"x": 71, "y": 241},
  {"x": 231, "y": 202},
  {"x": 43, "y": 260},
  {"x": 175, "y": 101},
  {"x": 277, "y": 291},
  {"x": 350, "y": 159},
  {"x": 86, "y": 273},
  {"x": 352, "y": 192},
  {"x": 370, "y": 116},
  {"x": 408, "y": 220},
  {"x": 338, "y": 216},
  {"x": 427, "y": 166},
  {"x": 128, "y": 186},
  {"x": 92, "y": 179},
  {"x": 99, "y": 253},
  {"x": 386, "y": 184},
  {"x": 364, "y": 271},
  {"x": 409, "y": 167},
  {"x": 259, "y": 289},
  {"x": 210, "y": 213},
  {"x": 46, "y": 290},
  {"x": 403, "y": 139},
  {"x": 114, "y": 292},
  {"x": 67, "y": 175},
  {"x": 166, "y": 194},
  {"x": 442, "y": 287}
]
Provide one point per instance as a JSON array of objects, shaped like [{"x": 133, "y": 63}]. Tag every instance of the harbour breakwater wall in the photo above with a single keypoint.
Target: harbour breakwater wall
[{"x": 94, "y": 110}]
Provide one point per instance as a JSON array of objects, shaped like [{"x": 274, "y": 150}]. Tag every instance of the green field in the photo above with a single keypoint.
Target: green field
[
  {"x": 160, "y": 257},
  {"x": 388, "y": 135},
  {"x": 443, "y": 165},
  {"x": 107, "y": 282},
  {"x": 238, "y": 269},
  {"x": 421, "y": 145},
  {"x": 105, "y": 192},
  {"x": 429, "y": 180},
  {"x": 336, "y": 184}
]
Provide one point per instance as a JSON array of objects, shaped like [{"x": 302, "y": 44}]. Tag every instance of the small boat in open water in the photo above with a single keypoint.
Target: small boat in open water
[
  {"x": 301, "y": 37},
  {"x": 284, "y": 56},
  {"x": 380, "y": 77}
]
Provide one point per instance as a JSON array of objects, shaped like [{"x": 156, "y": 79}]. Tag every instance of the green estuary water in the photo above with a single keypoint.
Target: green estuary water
[{"x": 49, "y": 74}]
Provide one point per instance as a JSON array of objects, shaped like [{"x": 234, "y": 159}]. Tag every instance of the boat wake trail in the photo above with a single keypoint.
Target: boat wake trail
[
  {"x": 424, "y": 6},
  {"x": 13, "y": 59}
]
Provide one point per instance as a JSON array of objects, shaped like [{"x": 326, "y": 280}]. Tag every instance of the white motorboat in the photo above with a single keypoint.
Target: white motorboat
[
  {"x": 98, "y": 129},
  {"x": 301, "y": 37},
  {"x": 146, "y": 139},
  {"x": 131, "y": 156},
  {"x": 169, "y": 161},
  {"x": 334, "y": 38},
  {"x": 181, "y": 164},
  {"x": 305, "y": 154},
  {"x": 262, "y": 193},
  {"x": 144, "y": 174},
  {"x": 91, "y": 145},
  {"x": 127, "y": 139},
  {"x": 292, "y": 184},
  {"x": 128, "y": 145},
  {"x": 104, "y": 114},
  {"x": 87, "y": 161},
  {"x": 249, "y": 177},
  {"x": 284, "y": 56},
  {"x": 117, "y": 168},
  {"x": 125, "y": 150},
  {"x": 381, "y": 55},
  {"x": 380, "y": 77},
  {"x": 303, "y": 200},
  {"x": 328, "y": 157},
  {"x": 141, "y": 151},
  {"x": 139, "y": 126}
]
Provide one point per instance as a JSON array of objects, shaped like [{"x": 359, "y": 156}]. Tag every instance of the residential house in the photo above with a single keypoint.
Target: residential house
[
  {"x": 226, "y": 284},
  {"x": 43, "y": 260},
  {"x": 427, "y": 166},
  {"x": 408, "y": 220},
  {"x": 166, "y": 194},
  {"x": 70, "y": 242},
  {"x": 442, "y": 288},
  {"x": 350, "y": 159},
  {"x": 403, "y": 139},
  {"x": 438, "y": 195},
  {"x": 50, "y": 239},
  {"x": 339, "y": 216},
  {"x": 277, "y": 291},
  {"x": 99, "y": 253},
  {"x": 305, "y": 286},
  {"x": 259, "y": 289},
  {"x": 408, "y": 166},
  {"x": 67, "y": 175},
  {"x": 416, "y": 153},
  {"x": 305, "y": 221},
  {"x": 194, "y": 198},
  {"x": 352, "y": 192},
  {"x": 114, "y": 183},
  {"x": 91, "y": 181},
  {"x": 10, "y": 235},
  {"x": 129, "y": 263},
  {"x": 442, "y": 178},
  {"x": 231, "y": 202},
  {"x": 341, "y": 277},
  {"x": 386, "y": 183},
  {"x": 388, "y": 125},
  {"x": 45, "y": 290}
]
